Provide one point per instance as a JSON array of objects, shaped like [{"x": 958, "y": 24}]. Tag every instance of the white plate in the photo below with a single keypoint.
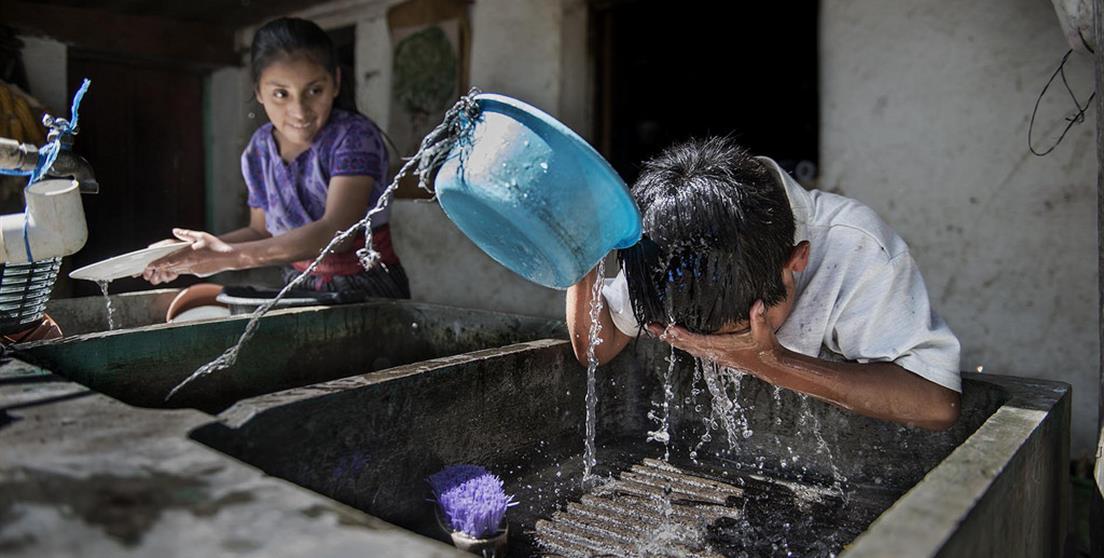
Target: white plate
[
  {"x": 126, "y": 265},
  {"x": 201, "y": 313}
]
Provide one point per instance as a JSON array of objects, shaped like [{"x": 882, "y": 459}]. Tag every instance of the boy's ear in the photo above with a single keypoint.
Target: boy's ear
[
  {"x": 337, "y": 81},
  {"x": 799, "y": 257}
]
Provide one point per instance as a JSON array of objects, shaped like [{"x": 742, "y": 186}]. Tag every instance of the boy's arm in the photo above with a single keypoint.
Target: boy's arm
[
  {"x": 578, "y": 323},
  {"x": 881, "y": 390}
]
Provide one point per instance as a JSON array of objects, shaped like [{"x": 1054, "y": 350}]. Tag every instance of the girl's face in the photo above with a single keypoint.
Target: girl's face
[{"x": 298, "y": 95}]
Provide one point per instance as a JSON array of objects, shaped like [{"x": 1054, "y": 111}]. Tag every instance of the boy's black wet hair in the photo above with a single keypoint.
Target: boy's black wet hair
[
  {"x": 287, "y": 37},
  {"x": 718, "y": 230}
]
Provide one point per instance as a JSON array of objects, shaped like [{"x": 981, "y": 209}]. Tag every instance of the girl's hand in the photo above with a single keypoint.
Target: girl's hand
[
  {"x": 165, "y": 242},
  {"x": 203, "y": 241},
  {"x": 207, "y": 255},
  {"x": 752, "y": 350}
]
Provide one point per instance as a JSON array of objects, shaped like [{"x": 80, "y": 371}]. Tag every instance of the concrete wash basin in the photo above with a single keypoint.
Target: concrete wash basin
[
  {"x": 995, "y": 484},
  {"x": 292, "y": 347},
  {"x": 88, "y": 314}
]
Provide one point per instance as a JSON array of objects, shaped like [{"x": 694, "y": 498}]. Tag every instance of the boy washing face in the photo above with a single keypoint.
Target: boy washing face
[{"x": 806, "y": 290}]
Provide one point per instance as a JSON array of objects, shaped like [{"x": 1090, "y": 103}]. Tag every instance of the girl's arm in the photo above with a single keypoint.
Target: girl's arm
[
  {"x": 254, "y": 231},
  {"x": 346, "y": 203}
]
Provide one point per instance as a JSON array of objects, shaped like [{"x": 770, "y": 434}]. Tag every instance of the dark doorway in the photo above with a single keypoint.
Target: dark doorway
[
  {"x": 141, "y": 128},
  {"x": 670, "y": 71},
  {"x": 344, "y": 39}
]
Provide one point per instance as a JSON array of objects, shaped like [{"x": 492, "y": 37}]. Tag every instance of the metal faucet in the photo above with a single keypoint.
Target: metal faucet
[
  {"x": 71, "y": 165},
  {"x": 24, "y": 156}
]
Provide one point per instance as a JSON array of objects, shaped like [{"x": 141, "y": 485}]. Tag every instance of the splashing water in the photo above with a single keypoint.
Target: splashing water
[
  {"x": 790, "y": 459},
  {"x": 726, "y": 409},
  {"x": 736, "y": 380},
  {"x": 663, "y": 434},
  {"x": 724, "y": 386},
  {"x": 107, "y": 303},
  {"x": 593, "y": 340},
  {"x": 670, "y": 538},
  {"x": 838, "y": 480},
  {"x": 722, "y": 407},
  {"x": 709, "y": 421},
  {"x": 777, "y": 405}
]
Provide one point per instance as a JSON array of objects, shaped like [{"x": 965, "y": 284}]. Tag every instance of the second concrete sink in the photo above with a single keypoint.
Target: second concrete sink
[{"x": 293, "y": 347}]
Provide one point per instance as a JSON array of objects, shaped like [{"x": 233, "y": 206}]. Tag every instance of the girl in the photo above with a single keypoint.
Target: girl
[{"x": 313, "y": 170}]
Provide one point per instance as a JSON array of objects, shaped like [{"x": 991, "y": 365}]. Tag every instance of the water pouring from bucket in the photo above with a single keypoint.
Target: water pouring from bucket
[{"x": 539, "y": 200}]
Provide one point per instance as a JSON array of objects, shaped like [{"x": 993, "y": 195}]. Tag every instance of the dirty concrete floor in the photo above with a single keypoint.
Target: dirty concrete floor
[{"x": 85, "y": 475}]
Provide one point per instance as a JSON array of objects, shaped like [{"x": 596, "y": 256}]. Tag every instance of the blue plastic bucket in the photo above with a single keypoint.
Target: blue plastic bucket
[{"x": 534, "y": 195}]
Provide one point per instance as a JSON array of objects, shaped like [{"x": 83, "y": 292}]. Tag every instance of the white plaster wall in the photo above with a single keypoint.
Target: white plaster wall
[
  {"x": 576, "y": 106},
  {"x": 228, "y": 128},
  {"x": 517, "y": 51},
  {"x": 446, "y": 268},
  {"x": 925, "y": 109},
  {"x": 373, "y": 60},
  {"x": 46, "y": 64}
]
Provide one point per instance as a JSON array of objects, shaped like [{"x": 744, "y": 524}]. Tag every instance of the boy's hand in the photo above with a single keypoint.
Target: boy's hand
[{"x": 750, "y": 349}]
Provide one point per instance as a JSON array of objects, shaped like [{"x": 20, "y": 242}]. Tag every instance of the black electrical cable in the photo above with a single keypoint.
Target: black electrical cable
[{"x": 1077, "y": 118}]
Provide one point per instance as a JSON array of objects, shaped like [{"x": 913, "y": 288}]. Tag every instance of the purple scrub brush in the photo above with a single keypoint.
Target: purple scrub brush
[{"x": 471, "y": 499}]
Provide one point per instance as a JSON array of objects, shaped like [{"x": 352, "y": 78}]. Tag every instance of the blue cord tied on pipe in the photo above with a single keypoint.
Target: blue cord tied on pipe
[{"x": 60, "y": 128}]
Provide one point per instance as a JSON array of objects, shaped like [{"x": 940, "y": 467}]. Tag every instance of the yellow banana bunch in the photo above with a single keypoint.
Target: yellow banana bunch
[
  {"x": 17, "y": 119},
  {"x": 32, "y": 127},
  {"x": 7, "y": 115}
]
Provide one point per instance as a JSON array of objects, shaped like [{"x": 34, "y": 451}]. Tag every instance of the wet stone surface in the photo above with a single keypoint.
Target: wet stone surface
[
  {"x": 124, "y": 508},
  {"x": 84, "y": 475}
]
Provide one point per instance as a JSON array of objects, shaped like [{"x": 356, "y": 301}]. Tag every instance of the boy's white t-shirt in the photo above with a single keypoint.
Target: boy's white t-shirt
[{"x": 861, "y": 296}]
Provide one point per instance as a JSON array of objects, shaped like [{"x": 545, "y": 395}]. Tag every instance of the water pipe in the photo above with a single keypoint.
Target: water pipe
[
  {"x": 53, "y": 224},
  {"x": 24, "y": 156}
]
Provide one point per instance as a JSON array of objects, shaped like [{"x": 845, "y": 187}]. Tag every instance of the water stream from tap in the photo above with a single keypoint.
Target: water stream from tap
[{"x": 107, "y": 303}]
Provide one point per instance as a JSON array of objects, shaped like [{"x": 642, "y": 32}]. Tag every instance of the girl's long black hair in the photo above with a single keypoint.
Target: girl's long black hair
[{"x": 289, "y": 36}]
